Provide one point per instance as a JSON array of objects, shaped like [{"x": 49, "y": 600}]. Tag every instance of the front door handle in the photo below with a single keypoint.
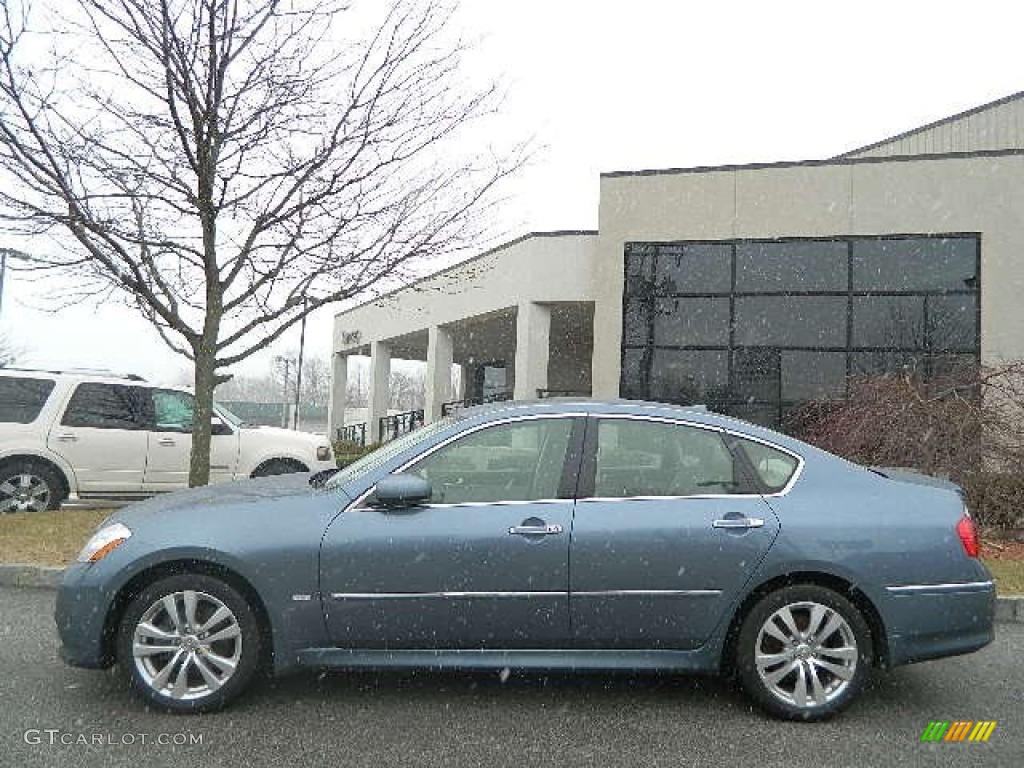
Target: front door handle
[
  {"x": 739, "y": 522},
  {"x": 165, "y": 441},
  {"x": 534, "y": 530}
]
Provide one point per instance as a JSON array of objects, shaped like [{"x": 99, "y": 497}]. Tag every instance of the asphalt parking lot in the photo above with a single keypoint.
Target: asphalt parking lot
[{"x": 343, "y": 719}]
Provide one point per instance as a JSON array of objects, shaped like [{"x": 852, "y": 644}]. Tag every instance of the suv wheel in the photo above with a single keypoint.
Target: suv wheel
[
  {"x": 278, "y": 467},
  {"x": 29, "y": 486},
  {"x": 804, "y": 652},
  {"x": 190, "y": 643}
]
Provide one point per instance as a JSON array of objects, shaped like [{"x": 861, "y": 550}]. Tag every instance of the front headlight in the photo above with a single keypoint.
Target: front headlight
[
  {"x": 323, "y": 453},
  {"x": 103, "y": 542}
]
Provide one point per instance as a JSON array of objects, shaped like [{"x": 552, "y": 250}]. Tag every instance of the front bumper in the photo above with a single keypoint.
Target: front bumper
[
  {"x": 81, "y": 617},
  {"x": 944, "y": 620}
]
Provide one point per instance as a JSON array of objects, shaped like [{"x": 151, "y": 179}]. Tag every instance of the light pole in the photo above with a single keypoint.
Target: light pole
[
  {"x": 4, "y": 253},
  {"x": 298, "y": 368}
]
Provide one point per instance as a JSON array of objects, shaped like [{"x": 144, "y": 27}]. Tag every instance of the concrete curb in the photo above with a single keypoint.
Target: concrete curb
[
  {"x": 23, "y": 575},
  {"x": 1009, "y": 608}
]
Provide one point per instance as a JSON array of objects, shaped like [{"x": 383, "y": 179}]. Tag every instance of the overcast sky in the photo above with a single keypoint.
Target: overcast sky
[{"x": 605, "y": 86}]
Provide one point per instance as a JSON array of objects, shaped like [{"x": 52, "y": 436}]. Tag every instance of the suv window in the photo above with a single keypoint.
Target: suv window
[
  {"x": 652, "y": 458},
  {"x": 773, "y": 467},
  {"x": 21, "y": 400},
  {"x": 173, "y": 411},
  {"x": 107, "y": 406},
  {"x": 521, "y": 461}
]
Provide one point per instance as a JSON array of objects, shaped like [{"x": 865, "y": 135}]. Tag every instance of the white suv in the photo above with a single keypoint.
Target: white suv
[{"x": 75, "y": 435}]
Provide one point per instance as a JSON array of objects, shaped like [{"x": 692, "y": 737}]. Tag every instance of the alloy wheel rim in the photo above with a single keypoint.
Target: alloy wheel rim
[
  {"x": 806, "y": 654},
  {"x": 187, "y": 645},
  {"x": 24, "y": 492}
]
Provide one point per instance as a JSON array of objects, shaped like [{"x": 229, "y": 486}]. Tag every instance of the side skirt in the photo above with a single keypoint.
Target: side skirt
[{"x": 618, "y": 660}]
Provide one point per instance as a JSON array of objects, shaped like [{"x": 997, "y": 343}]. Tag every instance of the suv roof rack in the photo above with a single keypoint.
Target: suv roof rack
[{"x": 79, "y": 372}]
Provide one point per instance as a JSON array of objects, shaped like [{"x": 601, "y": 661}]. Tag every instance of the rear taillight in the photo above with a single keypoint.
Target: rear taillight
[{"x": 968, "y": 534}]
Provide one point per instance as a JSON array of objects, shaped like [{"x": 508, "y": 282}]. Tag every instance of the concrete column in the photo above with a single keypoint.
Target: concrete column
[
  {"x": 339, "y": 388},
  {"x": 439, "y": 372},
  {"x": 380, "y": 389},
  {"x": 533, "y": 333}
]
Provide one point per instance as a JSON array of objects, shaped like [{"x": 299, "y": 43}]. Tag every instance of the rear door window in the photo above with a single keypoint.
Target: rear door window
[
  {"x": 22, "y": 399},
  {"x": 637, "y": 457},
  {"x": 108, "y": 406}
]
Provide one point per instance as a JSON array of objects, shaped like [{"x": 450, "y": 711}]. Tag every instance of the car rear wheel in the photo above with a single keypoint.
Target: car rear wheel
[
  {"x": 804, "y": 652},
  {"x": 29, "y": 486},
  {"x": 189, "y": 643}
]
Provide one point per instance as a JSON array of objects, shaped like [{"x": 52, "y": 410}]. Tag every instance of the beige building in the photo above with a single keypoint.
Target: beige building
[{"x": 750, "y": 288}]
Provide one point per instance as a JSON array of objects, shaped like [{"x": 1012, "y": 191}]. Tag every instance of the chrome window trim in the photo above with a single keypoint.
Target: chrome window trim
[
  {"x": 356, "y": 506},
  {"x": 709, "y": 428},
  {"x": 914, "y": 589}
]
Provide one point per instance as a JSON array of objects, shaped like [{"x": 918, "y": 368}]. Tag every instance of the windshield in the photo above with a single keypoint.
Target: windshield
[
  {"x": 388, "y": 451},
  {"x": 227, "y": 415}
]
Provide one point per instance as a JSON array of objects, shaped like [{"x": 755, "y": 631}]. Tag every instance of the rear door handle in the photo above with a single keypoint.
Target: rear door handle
[
  {"x": 534, "y": 530},
  {"x": 165, "y": 441},
  {"x": 739, "y": 522},
  {"x": 67, "y": 437}
]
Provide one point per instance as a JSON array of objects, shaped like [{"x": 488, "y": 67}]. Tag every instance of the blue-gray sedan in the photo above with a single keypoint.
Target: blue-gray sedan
[{"x": 550, "y": 535}]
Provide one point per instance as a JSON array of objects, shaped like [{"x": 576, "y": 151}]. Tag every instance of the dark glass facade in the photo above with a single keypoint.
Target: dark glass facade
[{"x": 754, "y": 327}]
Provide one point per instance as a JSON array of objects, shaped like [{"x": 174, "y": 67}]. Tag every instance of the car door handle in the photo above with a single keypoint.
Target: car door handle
[
  {"x": 165, "y": 441},
  {"x": 739, "y": 522},
  {"x": 534, "y": 530},
  {"x": 67, "y": 438}
]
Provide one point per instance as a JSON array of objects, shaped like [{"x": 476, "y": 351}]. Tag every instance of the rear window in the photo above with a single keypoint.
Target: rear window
[
  {"x": 21, "y": 400},
  {"x": 774, "y": 468}
]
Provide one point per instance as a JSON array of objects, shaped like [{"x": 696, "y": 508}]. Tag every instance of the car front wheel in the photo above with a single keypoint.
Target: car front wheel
[
  {"x": 189, "y": 643},
  {"x": 804, "y": 652}
]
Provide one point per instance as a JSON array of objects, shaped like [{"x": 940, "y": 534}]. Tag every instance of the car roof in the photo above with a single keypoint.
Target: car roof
[{"x": 696, "y": 414}]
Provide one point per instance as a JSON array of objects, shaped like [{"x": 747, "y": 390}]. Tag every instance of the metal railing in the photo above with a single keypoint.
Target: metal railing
[
  {"x": 457, "y": 405},
  {"x": 399, "y": 424},
  {"x": 543, "y": 394},
  {"x": 353, "y": 433}
]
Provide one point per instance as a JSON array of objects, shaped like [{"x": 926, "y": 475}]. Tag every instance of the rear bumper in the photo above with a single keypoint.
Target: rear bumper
[{"x": 933, "y": 621}]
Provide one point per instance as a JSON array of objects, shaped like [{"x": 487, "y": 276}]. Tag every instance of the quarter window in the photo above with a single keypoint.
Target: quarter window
[
  {"x": 773, "y": 467},
  {"x": 522, "y": 461},
  {"x": 107, "y": 406},
  {"x": 21, "y": 400},
  {"x": 650, "y": 458}
]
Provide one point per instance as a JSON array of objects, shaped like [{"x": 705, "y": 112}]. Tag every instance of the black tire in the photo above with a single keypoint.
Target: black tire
[
  {"x": 27, "y": 485},
  {"x": 278, "y": 467},
  {"x": 807, "y": 689},
  {"x": 197, "y": 677}
]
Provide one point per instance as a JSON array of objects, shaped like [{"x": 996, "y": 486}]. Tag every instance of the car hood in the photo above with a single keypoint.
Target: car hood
[
  {"x": 916, "y": 478},
  {"x": 221, "y": 495}
]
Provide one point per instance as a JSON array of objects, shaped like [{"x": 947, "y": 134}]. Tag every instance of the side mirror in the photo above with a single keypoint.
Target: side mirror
[
  {"x": 401, "y": 490},
  {"x": 218, "y": 427}
]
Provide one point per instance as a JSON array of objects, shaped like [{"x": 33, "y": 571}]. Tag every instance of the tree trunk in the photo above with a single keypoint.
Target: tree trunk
[{"x": 205, "y": 381}]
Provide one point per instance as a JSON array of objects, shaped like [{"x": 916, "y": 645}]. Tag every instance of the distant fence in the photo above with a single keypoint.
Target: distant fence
[{"x": 312, "y": 418}]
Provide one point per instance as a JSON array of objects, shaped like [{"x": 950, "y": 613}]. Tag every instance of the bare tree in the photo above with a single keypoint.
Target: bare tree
[{"x": 229, "y": 166}]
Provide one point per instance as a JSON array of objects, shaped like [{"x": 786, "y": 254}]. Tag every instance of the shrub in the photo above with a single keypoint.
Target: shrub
[
  {"x": 345, "y": 452},
  {"x": 966, "y": 425}
]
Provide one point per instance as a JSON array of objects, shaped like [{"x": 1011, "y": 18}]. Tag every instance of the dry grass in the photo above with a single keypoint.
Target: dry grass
[
  {"x": 1009, "y": 575},
  {"x": 47, "y": 538}
]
